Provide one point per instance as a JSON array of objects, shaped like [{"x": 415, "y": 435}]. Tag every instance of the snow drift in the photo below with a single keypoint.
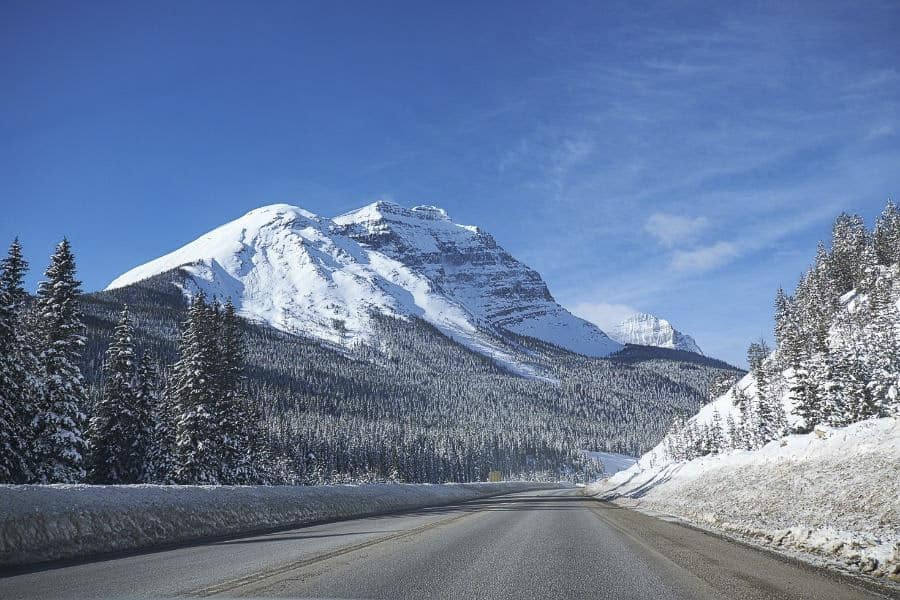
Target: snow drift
[
  {"x": 49, "y": 522},
  {"x": 832, "y": 495}
]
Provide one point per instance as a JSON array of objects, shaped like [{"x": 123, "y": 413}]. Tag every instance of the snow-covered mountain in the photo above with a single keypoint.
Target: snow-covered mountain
[
  {"x": 650, "y": 330},
  {"x": 324, "y": 278}
]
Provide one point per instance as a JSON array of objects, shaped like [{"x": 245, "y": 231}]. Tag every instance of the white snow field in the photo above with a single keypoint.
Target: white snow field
[
  {"x": 40, "y": 523},
  {"x": 831, "y": 496},
  {"x": 612, "y": 462}
]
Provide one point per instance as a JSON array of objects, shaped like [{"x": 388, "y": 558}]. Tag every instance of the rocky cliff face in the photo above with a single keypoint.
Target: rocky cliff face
[
  {"x": 649, "y": 330},
  {"x": 324, "y": 277},
  {"x": 466, "y": 265}
]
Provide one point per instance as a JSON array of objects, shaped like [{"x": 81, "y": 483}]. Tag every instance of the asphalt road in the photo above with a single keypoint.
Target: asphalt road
[{"x": 552, "y": 544}]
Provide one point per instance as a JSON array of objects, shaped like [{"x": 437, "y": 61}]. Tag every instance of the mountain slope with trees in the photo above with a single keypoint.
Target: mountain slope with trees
[
  {"x": 143, "y": 384},
  {"x": 816, "y": 420},
  {"x": 420, "y": 407}
]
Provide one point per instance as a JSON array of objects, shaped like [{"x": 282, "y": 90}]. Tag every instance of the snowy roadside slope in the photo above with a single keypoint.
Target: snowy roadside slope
[
  {"x": 831, "y": 496},
  {"x": 612, "y": 462},
  {"x": 40, "y": 523}
]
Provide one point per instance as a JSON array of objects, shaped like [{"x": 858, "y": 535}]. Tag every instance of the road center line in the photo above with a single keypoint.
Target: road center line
[{"x": 269, "y": 573}]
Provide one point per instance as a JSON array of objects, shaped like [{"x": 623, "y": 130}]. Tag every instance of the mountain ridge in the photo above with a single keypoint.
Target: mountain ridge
[
  {"x": 649, "y": 330},
  {"x": 323, "y": 277}
]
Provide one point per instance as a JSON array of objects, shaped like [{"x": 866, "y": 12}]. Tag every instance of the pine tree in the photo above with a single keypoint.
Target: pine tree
[
  {"x": 59, "y": 442},
  {"x": 720, "y": 384},
  {"x": 233, "y": 442},
  {"x": 742, "y": 402},
  {"x": 716, "y": 437},
  {"x": 13, "y": 466},
  {"x": 794, "y": 350},
  {"x": 146, "y": 399},
  {"x": 823, "y": 375},
  {"x": 197, "y": 452},
  {"x": 164, "y": 411},
  {"x": 18, "y": 369},
  {"x": 871, "y": 270},
  {"x": 785, "y": 328},
  {"x": 886, "y": 237},
  {"x": 824, "y": 299},
  {"x": 118, "y": 431},
  {"x": 733, "y": 433},
  {"x": 882, "y": 343},
  {"x": 849, "y": 239},
  {"x": 757, "y": 353}
]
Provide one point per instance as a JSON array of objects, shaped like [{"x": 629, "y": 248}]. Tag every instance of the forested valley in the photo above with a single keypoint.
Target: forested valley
[{"x": 150, "y": 388}]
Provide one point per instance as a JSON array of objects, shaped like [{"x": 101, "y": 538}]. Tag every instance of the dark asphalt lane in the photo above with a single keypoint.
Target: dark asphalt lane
[{"x": 552, "y": 544}]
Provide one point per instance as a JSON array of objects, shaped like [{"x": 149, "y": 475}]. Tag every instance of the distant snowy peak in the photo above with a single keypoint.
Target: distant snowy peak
[
  {"x": 324, "y": 278},
  {"x": 650, "y": 330}
]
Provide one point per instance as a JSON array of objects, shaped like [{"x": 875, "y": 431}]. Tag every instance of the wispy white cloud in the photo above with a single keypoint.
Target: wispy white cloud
[
  {"x": 657, "y": 152},
  {"x": 604, "y": 315},
  {"x": 675, "y": 230},
  {"x": 763, "y": 234},
  {"x": 705, "y": 258},
  {"x": 879, "y": 131}
]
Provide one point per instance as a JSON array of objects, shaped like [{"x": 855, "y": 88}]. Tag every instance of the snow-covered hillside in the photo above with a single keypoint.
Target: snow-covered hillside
[
  {"x": 322, "y": 278},
  {"x": 650, "y": 330},
  {"x": 831, "y": 496},
  {"x": 612, "y": 462},
  {"x": 804, "y": 451}
]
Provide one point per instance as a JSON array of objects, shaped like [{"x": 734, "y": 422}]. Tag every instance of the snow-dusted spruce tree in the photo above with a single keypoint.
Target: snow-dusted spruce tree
[
  {"x": 160, "y": 435},
  {"x": 242, "y": 442},
  {"x": 144, "y": 426},
  {"x": 119, "y": 429},
  {"x": 843, "y": 358},
  {"x": 886, "y": 237},
  {"x": 12, "y": 460},
  {"x": 197, "y": 452},
  {"x": 59, "y": 445},
  {"x": 226, "y": 380},
  {"x": 794, "y": 351},
  {"x": 18, "y": 371},
  {"x": 838, "y": 345},
  {"x": 881, "y": 337},
  {"x": 163, "y": 410},
  {"x": 849, "y": 241}
]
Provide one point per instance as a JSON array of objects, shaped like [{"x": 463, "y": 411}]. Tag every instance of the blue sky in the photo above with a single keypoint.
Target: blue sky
[{"x": 680, "y": 159}]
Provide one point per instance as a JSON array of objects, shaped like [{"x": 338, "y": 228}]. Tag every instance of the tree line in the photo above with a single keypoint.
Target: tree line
[
  {"x": 837, "y": 355},
  {"x": 418, "y": 407},
  {"x": 146, "y": 422},
  {"x": 160, "y": 398}
]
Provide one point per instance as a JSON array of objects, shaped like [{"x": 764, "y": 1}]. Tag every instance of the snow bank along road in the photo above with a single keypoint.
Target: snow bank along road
[
  {"x": 542, "y": 544},
  {"x": 41, "y": 523}
]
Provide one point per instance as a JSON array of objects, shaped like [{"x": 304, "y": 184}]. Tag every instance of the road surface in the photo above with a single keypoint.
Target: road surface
[{"x": 552, "y": 544}]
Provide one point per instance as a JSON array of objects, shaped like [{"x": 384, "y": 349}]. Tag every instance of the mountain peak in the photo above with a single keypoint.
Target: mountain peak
[
  {"x": 387, "y": 210},
  {"x": 649, "y": 330},
  {"x": 433, "y": 213},
  {"x": 324, "y": 278},
  {"x": 282, "y": 209}
]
